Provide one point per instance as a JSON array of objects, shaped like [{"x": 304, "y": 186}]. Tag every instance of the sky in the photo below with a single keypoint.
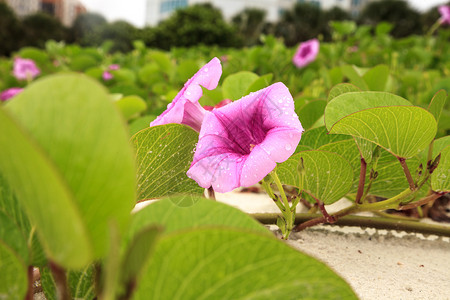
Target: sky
[{"x": 133, "y": 11}]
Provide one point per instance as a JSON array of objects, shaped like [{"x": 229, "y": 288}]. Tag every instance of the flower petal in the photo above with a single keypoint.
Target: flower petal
[
  {"x": 280, "y": 143},
  {"x": 256, "y": 167},
  {"x": 208, "y": 76}
]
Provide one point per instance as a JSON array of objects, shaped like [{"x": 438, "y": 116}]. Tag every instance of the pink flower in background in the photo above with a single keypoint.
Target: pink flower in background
[
  {"x": 240, "y": 143},
  {"x": 25, "y": 69},
  {"x": 306, "y": 53},
  {"x": 107, "y": 76},
  {"x": 445, "y": 14},
  {"x": 185, "y": 108},
  {"x": 114, "y": 67},
  {"x": 9, "y": 93},
  {"x": 220, "y": 104}
]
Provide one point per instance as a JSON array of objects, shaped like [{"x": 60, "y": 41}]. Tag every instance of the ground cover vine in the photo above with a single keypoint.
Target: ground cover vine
[{"x": 85, "y": 136}]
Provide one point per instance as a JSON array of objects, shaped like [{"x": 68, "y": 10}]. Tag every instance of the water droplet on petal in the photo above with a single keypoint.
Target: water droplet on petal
[
  {"x": 288, "y": 147},
  {"x": 280, "y": 101},
  {"x": 206, "y": 69}
]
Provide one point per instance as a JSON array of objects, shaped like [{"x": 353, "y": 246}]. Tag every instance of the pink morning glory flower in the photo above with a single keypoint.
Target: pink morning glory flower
[
  {"x": 185, "y": 108},
  {"x": 444, "y": 10},
  {"x": 25, "y": 69},
  {"x": 114, "y": 67},
  {"x": 9, "y": 93},
  {"x": 240, "y": 143},
  {"x": 107, "y": 76},
  {"x": 306, "y": 53},
  {"x": 220, "y": 104}
]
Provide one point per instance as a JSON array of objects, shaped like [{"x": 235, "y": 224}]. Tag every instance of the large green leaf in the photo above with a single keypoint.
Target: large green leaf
[
  {"x": 355, "y": 75},
  {"x": 342, "y": 88},
  {"x": 440, "y": 179},
  {"x": 236, "y": 85},
  {"x": 328, "y": 176},
  {"x": 377, "y": 78},
  {"x": 260, "y": 83},
  {"x": 44, "y": 196},
  {"x": 403, "y": 131},
  {"x": 227, "y": 264},
  {"x": 131, "y": 106},
  {"x": 186, "y": 211},
  {"x": 311, "y": 112},
  {"x": 437, "y": 104},
  {"x": 13, "y": 283},
  {"x": 163, "y": 155},
  {"x": 317, "y": 137},
  {"x": 349, "y": 103},
  {"x": 73, "y": 119}
]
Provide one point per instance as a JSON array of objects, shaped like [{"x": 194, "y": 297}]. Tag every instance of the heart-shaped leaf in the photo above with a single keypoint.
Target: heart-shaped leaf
[
  {"x": 131, "y": 106},
  {"x": 342, "y": 88},
  {"x": 403, "y": 131},
  {"x": 349, "y": 103},
  {"x": 440, "y": 179},
  {"x": 437, "y": 104},
  {"x": 328, "y": 176},
  {"x": 163, "y": 155},
  {"x": 224, "y": 264},
  {"x": 236, "y": 85},
  {"x": 77, "y": 125},
  {"x": 377, "y": 78},
  {"x": 317, "y": 137},
  {"x": 186, "y": 211},
  {"x": 311, "y": 112}
]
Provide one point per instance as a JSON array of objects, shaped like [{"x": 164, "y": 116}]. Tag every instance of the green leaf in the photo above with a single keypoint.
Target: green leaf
[
  {"x": 377, "y": 78},
  {"x": 186, "y": 211},
  {"x": 43, "y": 195},
  {"x": 349, "y": 103},
  {"x": 138, "y": 251},
  {"x": 260, "y": 83},
  {"x": 163, "y": 61},
  {"x": 131, "y": 106},
  {"x": 141, "y": 123},
  {"x": 437, "y": 104},
  {"x": 317, "y": 137},
  {"x": 349, "y": 151},
  {"x": 236, "y": 85},
  {"x": 391, "y": 179},
  {"x": 81, "y": 283},
  {"x": 440, "y": 179},
  {"x": 329, "y": 176},
  {"x": 355, "y": 76},
  {"x": 11, "y": 235},
  {"x": 163, "y": 155},
  {"x": 365, "y": 148},
  {"x": 230, "y": 264},
  {"x": 342, "y": 89},
  {"x": 311, "y": 112},
  {"x": 73, "y": 119},
  {"x": 403, "y": 131},
  {"x": 13, "y": 283}
]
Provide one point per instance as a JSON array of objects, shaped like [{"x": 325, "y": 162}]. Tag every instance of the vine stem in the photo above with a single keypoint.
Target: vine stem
[
  {"x": 360, "y": 221},
  {"x": 30, "y": 291},
  {"x": 362, "y": 180},
  {"x": 412, "y": 185}
]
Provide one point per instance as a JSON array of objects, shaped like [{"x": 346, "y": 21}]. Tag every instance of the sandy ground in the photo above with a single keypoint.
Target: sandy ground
[{"x": 378, "y": 264}]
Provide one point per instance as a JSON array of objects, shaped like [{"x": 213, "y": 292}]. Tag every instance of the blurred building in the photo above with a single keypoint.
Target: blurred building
[
  {"x": 65, "y": 10},
  {"x": 158, "y": 10},
  {"x": 24, "y": 7}
]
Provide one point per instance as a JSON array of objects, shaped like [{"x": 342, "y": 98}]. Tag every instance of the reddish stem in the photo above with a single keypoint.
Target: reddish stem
[
  {"x": 427, "y": 199},
  {"x": 30, "y": 291},
  {"x": 412, "y": 185},
  {"x": 362, "y": 180}
]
